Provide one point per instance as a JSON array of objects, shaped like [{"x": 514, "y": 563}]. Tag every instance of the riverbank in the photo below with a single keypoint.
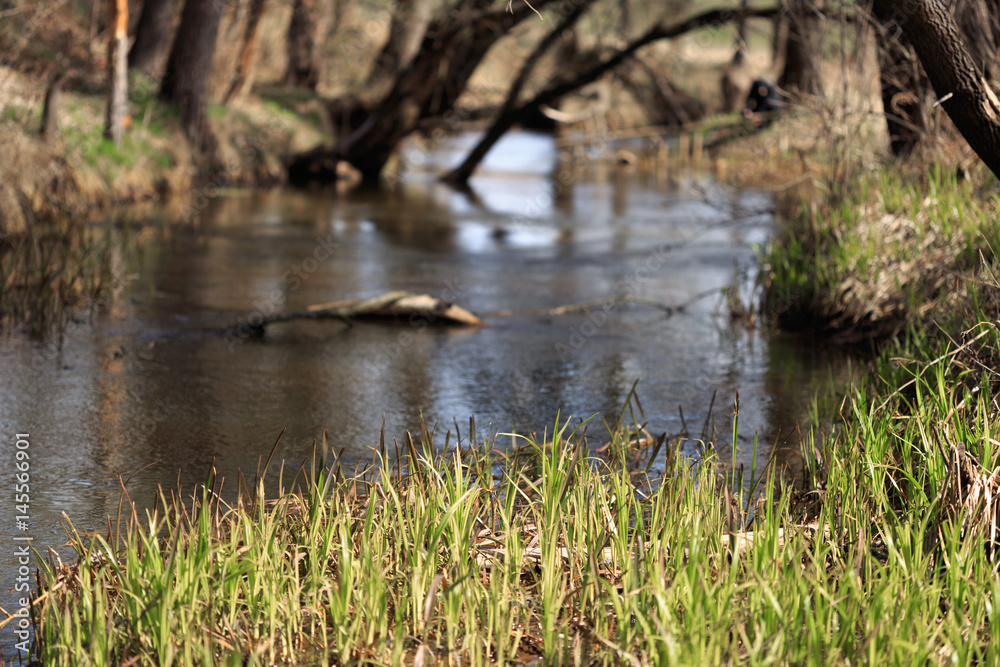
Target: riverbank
[
  {"x": 77, "y": 174},
  {"x": 560, "y": 553},
  {"x": 884, "y": 554},
  {"x": 563, "y": 549},
  {"x": 867, "y": 245},
  {"x": 55, "y": 263},
  {"x": 897, "y": 251}
]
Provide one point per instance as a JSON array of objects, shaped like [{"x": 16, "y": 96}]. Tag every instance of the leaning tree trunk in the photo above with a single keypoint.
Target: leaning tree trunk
[
  {"x": 906, "y": 98},
  {"x": 146, "y": 53},
  {"x": 505, "y": 119},
  {"x": 438, "y": 75},
  {"x": 453, "y": 47},
  {"x": 558, "y": 89},
  {"x": 803, "y": 48},
  {"x": 961, "y": 88},
  {"x": 185, "y": 82},
  {"x": 406, "y": 32}
]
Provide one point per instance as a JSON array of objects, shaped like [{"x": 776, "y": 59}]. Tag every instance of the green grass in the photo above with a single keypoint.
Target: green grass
[
  {"x": 885, "y": 256},
  {"x": 102, "y": 154},
  {"x": 216, "y": 111},
  {"x": 29, "y": 118},
  {"x": 277, "y": 108},
  {"x": 555, "y": 553}
]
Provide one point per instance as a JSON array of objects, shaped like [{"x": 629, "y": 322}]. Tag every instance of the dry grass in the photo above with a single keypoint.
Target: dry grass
[
  {"x": 80, "y": 173},
  {"x": 968, "y": 502}
]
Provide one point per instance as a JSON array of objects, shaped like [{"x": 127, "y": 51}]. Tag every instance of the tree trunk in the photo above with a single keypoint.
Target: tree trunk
[
  {"x": 243, "y": 76},
  {"x": 803, "y": 49},
  {"x": 307, "y": 33},
  {"x": 905, "y": 88},
  {"x": 453, "y": 47},
  {"x": 50, "y": 109},
  {"x": 505, "y": 119},
  {"x": 736, "y": 78},
  {"x": 433, "y": 82},
  {"x": 117, "y": 112},
  {"x": 406, "y": 32},
  {"x": 185, "y": 82},
  {"x": 146, "y": 53},
  {"x": 961, "y": 88},
  {"x": 741, "y": 31}
]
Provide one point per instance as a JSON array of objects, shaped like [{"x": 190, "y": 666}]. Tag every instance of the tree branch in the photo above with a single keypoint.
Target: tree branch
[
  {"x": 462, "y": 173},
  {"x": 512, "y": 116},
  {"x": 963, "y": 92}
]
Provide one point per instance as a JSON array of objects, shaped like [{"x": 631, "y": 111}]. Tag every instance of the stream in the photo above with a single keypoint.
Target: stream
[{"x": 149, "y": 392}]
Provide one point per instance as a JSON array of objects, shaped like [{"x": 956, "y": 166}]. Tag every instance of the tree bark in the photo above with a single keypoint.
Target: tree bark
[
  {"x": 736, "y": 78},
  {"x": 431, "y": 85},
  {"x": 406, "y": 32},
  {"x": 961, "y": 88},
  {"x": 50, "y": 110},
  {"x": 147, "y": 50},
  {"x": 803, "y": 49},
  {"x": 185, "y": 82},
  {"x": 243, "y": 76},
  {"x": 905, "y": 87},
  {"x": 307, "y": 33},
  {"x": 505, "y": 120},
  {"x": 117, "y": 111},
  {"x": 741, "y": 32}
]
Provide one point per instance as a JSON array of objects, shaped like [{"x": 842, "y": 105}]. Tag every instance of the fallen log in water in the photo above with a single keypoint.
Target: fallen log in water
[
  {"x": 414, "y": 308},
  {"x": 406, "y": 306}
]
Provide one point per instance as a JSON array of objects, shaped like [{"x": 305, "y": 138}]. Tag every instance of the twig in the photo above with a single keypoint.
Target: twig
[{"x": 609, "y": 302}]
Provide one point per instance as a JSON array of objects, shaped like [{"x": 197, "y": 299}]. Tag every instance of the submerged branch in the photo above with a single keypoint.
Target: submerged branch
[
  {"x": 413, "y": 308},
  {"x": 608, "y": 303}
]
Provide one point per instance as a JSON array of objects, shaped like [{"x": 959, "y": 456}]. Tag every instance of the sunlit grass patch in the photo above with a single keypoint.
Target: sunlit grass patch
[
  {"x": 552, "y": 552},
  {"x": 894, "y": 253}
]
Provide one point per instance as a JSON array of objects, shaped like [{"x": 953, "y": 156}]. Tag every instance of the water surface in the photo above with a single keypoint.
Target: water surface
[{"x": 148, "y": 392}]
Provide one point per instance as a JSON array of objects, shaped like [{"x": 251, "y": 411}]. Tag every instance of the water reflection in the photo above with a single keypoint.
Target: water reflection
[{"x": 149, "y": 383}]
